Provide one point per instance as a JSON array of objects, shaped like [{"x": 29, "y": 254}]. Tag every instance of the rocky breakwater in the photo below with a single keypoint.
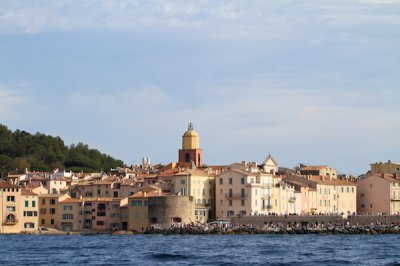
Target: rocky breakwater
[{"x": 250, "y": 230}]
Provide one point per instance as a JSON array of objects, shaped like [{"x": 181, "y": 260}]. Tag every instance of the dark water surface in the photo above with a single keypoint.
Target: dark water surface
[{"x": 200, "y": 250}]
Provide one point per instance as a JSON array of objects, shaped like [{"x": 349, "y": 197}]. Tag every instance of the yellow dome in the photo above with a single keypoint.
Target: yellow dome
[
  {"x": 190, "y": 133},
  {"x": 190, "y": 140}
]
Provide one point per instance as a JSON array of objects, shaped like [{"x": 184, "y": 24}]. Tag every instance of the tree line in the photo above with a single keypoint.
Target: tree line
[{"x": 20, "y": 150}]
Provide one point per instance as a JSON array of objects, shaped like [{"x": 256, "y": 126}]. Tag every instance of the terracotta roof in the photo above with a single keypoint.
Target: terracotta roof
[
  {"x": 26, "y": 192},
  {"x": 8, "y": 185},
  {"x": 336, "y": 182},
  {"x": 50, "y": 195},
  {"x": 71, "y": 200},
  {"x": 315, "y": 167}
]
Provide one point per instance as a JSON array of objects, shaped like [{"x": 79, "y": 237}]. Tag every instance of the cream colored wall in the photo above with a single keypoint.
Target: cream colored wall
[
  {"x": 385, "y": 168},
  {"x": 54, "y": 186},
  {"x": 201, "y": 188},
  {"x": 346, "y": 199},
  {"x": 395, "y": 198}
]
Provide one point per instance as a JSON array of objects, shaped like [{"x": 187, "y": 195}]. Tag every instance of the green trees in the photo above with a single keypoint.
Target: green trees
[{"x": 40, "y": 152}]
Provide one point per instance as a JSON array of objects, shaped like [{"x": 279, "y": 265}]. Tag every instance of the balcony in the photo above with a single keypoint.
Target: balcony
[
  {"x": 235, "y": 196},
  {"x": 292, "y": 199},
  {"x": 394, "y": 198},
  {"x": 202, "y": 205},
  {"x": 10, "y": 222}
]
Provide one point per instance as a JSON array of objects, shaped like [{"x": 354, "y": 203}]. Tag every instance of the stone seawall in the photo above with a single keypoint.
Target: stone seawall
[{"x": 309, "y": 220}]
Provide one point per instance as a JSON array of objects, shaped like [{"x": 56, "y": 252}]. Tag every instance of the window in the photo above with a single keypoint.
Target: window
[
  {"x": 115, "y": 194},
  {"x": 230, "y": 193},
  {"x": 242, "y": 202},
  {"x": 115, "y": 206},
  {"x": 67, "y": 208},
  {"x": 231, "y": 213},
  {"x": 136, "y": 203},
  {"x": 43, "y": 221},
  {"x": 221, "y": 181},
  {"x": 52, "y": 210},
  {"x": 52, "y": 221},
  {"x": 230, "y": 180},
  {"x": 87, "y": 204},
  {"x": 362, "y": 205},
  {"x": 29, "y": 225},
  {"x": 352, "y": 190},
  {"x": 101, "y": 207},
  {"x": 256, "y": 191},
  {"x": 68, "y": 216},
  {"x": 252, "y": 180},
  {"x": 342, "y": 189},
  {"x": 242, "y": 180},
  {"x": 242, "y": 192},
  {"x": 26, "y": 203},
  {"x": 11, "y": 208},
  {"x": 30, "y": 213},
  {"x": 230, "y": 202},
  {"x": 255, "y": 202},
  {"x": 101, "y": 214},
  {"x": 52, "y": 202},
  {"x": 348, "y": 189},
  {"x": 43, "y": 201},
  {"x": 33, "y": 204},
  {"x": 10, "y": 198},
  {"x": 43, "y": 211}
]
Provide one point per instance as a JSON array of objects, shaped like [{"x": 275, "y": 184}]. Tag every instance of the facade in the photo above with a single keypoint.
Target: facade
[
  {"x": 332, "y": 195},
  {"x": 18, "y": 209},
  {"x": 10, "y": 202},
  {"x": 200, "y": 185},
  {"x": 30, "y": 210},
  {"x": 48, "y": 209},
  {"x": 190, "y": 152},
  {"x": 378, "y": 194}
]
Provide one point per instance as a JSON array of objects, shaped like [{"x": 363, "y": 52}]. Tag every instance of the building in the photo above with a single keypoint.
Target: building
[
  {"x": 198, "y": 184},
  {"x": 379, "y": 194},
  {"x": 385, "y": 168},
  {"x": 10, "y": 202},
  {"x": 316, "y": 170},
  {"x": 18, "y": 209},
  {"x": 48, "y": 209},
  {"x": 332, "y": 195},
  {"x": 190, "y": 152}
]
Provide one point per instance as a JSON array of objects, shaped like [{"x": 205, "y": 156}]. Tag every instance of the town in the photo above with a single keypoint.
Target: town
[{"x": 190, "y": 192}]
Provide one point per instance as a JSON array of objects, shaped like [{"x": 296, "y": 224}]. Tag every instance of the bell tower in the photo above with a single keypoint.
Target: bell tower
[{"x": 190, "y": 152}]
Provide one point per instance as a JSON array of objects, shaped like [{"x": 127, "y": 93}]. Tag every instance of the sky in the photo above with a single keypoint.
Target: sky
[{"x": 313, "y": 82}]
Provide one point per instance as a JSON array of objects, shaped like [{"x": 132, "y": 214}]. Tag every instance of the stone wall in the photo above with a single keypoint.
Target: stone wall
[
  {"x": 164, "y": 210},
  {"x": 307, "y": 220}
]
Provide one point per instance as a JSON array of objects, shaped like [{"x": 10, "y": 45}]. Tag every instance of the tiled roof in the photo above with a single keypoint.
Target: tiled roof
[
  {"x": 8, "y": 185},
  {"x": 26, "y": 192}
]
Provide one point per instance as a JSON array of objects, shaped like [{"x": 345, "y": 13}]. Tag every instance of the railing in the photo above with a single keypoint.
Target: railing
[
  {"x": 292, "y": 199},
  {"x": 202, "y": 205},
  {"x": 235, "y": 196},
  {"x": 395, "y": 198}
]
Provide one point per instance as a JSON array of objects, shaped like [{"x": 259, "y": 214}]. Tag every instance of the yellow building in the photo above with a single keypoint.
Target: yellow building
[
  {"x": 318, "y": 170},
  {"x": 10, "y": 212},
  {"x": 200, "y": 185},
  {"x": 18, "y": 209}
]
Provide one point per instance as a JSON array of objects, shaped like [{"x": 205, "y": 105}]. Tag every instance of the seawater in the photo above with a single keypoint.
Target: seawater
[{"x": 200, "y": 250}]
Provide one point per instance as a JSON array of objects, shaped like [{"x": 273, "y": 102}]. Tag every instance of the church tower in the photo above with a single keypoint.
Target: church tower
[{"x": 190, "y": 152}]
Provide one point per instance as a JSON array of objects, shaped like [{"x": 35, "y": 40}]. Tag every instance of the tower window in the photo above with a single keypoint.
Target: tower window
[{"x": 187, "y": 157}]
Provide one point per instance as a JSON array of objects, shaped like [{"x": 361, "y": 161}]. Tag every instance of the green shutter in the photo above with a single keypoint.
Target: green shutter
[
  {"x": 26, "y": 203},
  {"x": 33, "y": 204}
]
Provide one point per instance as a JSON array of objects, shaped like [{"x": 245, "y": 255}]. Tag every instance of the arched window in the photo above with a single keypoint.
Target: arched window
[
  {"x": 10, "y": 218},
  {"x": 187, "y": 158}
]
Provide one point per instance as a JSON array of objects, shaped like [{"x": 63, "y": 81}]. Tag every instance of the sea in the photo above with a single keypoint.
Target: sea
[{"x": 200, "y": 250}]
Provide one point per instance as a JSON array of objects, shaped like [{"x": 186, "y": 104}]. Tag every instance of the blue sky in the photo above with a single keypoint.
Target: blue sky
[{"x": 315, "y": 82}]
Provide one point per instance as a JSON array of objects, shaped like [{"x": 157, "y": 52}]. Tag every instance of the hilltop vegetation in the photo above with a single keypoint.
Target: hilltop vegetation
[{"x": 40, "y": 152}]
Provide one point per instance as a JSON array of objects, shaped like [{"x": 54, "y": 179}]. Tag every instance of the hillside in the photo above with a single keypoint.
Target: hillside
[{"x": 40, "y": 152}]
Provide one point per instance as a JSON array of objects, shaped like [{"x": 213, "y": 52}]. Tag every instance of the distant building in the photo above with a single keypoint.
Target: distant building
[
  {"x": 318, "y": 170},
  {"x": 385, "y": 168}
]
